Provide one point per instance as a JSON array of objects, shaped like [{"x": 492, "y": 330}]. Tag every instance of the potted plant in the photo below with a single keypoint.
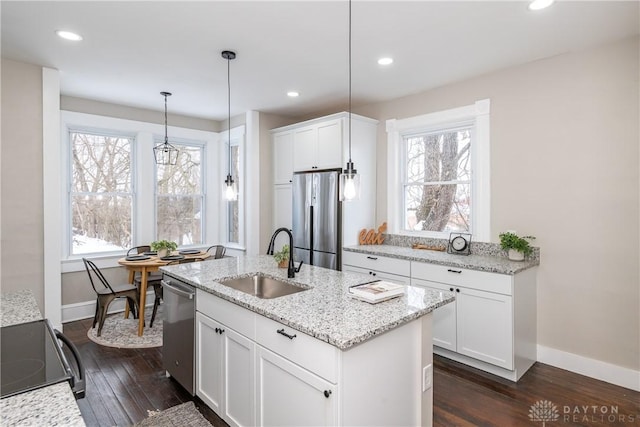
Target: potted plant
[
  {"x": 282, "y": 257},
  {"x": 163, "y": 247},
  {"x": 516, "y": 246}
]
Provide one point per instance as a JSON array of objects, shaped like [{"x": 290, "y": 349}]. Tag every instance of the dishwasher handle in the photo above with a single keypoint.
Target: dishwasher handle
[{"x": 177, "y": 289}]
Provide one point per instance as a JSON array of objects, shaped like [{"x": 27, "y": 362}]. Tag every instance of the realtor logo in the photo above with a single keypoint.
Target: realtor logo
[{"x": 544, "y": 410}]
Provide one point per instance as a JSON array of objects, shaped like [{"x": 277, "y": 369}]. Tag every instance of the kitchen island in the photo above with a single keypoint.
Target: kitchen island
[
  {"x": 314, "y": 357},
  {"x": 47, "y": 406}
]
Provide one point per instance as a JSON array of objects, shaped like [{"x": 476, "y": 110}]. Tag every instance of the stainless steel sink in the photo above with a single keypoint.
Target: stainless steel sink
[{"x": 263, "y": 287}]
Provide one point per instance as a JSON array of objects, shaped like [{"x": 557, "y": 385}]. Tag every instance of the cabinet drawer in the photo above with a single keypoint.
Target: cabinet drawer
[
  {"x": 318, "y": 357},
  {"x": 237, "y": 318},
  {"x": 400, "y": 267},
  {"x": 403, "y": 280},
  {"x": 480, "y": 280}
]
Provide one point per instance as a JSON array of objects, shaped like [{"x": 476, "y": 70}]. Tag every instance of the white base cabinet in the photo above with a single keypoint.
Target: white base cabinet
[
  {"x": 225, "y": 371},
  {"x": 490, "y": 326},
  {"x": 261, "y": 372},
  {"x": 288, "y": 395}
]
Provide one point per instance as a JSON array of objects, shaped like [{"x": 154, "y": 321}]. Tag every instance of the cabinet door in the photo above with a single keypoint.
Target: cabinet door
[
  {"x": 239, "y": 366},
  {"x": 283, "y": 157},
  {"x": 288, "y": 395},
  {"x": 485, "y": 326},
  {"x": 305, "y": 142},
  {"x": 209, "y": 362},
  {"x": 444, "y": 318},
  {"x": 373, "y": 274},
  {"x": 329, "y": 145},
  {"x": 282, "y": 212}
]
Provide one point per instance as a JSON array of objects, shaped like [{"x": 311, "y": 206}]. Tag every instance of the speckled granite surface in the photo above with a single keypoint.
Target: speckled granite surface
[
  {"x": 18, "y": 307},
  {"x": 49, "y": 406},
  {"x": 474, "y": 262},
  {"x": 54, "y": 405},
  {"x": 324, "y": 311}
]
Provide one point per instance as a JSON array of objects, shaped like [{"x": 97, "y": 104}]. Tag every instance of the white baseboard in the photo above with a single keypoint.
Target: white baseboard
[
  {"x": 87, "y": 309},
  {"x": 603, "y": 371}
]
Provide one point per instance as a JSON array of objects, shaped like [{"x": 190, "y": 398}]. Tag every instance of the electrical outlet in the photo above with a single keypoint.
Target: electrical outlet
[{"x": 427, "y": 377}]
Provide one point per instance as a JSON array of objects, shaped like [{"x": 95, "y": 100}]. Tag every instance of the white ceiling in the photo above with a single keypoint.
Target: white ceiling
[{"x": 133, "y": 50}]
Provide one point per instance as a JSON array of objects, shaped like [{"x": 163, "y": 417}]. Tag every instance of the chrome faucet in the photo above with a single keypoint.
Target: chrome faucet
[{"x": 291, "y": 270}]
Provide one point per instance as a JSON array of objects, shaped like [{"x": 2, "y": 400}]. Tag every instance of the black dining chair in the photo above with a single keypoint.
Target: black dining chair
[{"x": 107, "y": 293}]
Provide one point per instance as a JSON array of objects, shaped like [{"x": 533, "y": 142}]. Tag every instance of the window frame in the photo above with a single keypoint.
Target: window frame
[
  {"x": 238, "y": 139},
  {"x": 478, "y": 114},
  {"x": 146, "y": 134},
  {"x": 68, "y": 235}
]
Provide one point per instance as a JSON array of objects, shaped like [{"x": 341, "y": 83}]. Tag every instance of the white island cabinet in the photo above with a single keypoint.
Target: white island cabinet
[
  {"x": 314, "y": 357},
  {"x": 252, "y": 370}
]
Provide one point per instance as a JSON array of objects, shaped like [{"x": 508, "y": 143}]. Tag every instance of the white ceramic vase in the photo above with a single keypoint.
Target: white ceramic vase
[
  {"x": 163, "y": 253},
  {"x": 515, "y": 255}
]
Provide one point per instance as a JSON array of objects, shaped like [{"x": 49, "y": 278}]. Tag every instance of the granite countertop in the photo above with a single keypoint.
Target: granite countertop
[
  {"x": 18, "y": 307},
  {"x": 488, "y": 263},
  {"x": 325, "y": 311},
  {"x": 48, "y": 406}
]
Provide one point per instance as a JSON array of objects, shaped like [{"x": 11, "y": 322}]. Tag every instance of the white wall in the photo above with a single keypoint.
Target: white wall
[{"x": 564, "y": 167}]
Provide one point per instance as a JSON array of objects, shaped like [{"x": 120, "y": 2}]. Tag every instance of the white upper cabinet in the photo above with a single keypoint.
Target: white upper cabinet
[
  {"x": 283, "y": 157},
  {"x": 318, "y": 146}
]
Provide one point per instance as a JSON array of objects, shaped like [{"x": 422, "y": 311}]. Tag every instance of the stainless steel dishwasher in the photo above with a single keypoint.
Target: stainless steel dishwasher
[{"x": 178, "y": 331}]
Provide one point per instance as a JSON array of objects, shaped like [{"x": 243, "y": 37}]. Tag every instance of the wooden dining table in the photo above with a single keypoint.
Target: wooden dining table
[{"x": 146, "y": 266}]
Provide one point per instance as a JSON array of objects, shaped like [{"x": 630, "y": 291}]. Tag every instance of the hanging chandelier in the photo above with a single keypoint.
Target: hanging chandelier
[
  {"x": 165, "y": 153},
  {"x": 349, "y": 179},
  {"x": 230, "y": 190}
]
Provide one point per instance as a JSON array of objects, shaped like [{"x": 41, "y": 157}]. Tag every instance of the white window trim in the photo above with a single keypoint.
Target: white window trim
[
  {"x": 237, "y": 139},
  {"x": 146, "y": 135},
  {"x": 479, "y": 113}
]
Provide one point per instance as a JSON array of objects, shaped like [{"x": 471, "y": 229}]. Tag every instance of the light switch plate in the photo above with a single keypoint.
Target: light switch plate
[{"x": 427, "y": 377}]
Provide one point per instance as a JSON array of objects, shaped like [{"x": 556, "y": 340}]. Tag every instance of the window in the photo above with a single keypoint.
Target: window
[
  {"x": 439, "y": 173},
  {"x": 180, "y": 198},
  {"x": 101, "y": 196},
  {"x": 115, "y": 196},
  {"x": 233, "y": 211}
]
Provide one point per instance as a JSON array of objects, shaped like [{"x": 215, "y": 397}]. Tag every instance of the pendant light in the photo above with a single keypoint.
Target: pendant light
[
  {"x": 349, "y": 179},
  {"x": 230, "y": 190},
  {"x": 165, "y": 154}
]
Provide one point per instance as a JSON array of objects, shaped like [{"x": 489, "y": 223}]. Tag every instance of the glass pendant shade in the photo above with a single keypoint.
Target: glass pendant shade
[
  {"x": 230, "y": 192},
  {"x": 349, "y": 184}
]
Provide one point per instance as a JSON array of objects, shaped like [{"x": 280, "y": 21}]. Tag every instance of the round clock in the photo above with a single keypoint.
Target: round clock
[{"x": 459, "y": 243}]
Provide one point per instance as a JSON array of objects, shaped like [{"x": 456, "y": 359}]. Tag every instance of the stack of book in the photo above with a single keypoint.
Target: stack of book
[{"x": 378, "y": 291}]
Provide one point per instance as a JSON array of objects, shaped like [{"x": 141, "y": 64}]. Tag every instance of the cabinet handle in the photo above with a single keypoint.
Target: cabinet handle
[
  {"x": 327, "y": 393},
  {"x": 282, "y": 332},
  {"x": 457, "y": 290},
  {"x": 450, "y": 289},
  {"x": 372, "y": 257},
  {"x": 219, "y": 330},
  {"x": 454, "y": 271},
  {"x": 373, "y": 274}
]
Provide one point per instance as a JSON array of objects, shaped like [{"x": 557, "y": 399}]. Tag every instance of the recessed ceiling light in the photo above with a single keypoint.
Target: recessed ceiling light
[
  {"x": 385, "y": 61},
  {"x": 540, "y": 4},
  {"x": 293, "y": 94},
  {"x": 68, "y": 35}
]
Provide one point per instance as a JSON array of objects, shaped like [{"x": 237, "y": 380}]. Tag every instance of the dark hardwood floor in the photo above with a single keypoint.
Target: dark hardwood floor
[{"x": 124, "y": 384}]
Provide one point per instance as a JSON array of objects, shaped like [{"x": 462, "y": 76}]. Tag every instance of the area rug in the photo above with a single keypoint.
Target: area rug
[
  {"x": 123, "y": 333},
  {"x": 182, "y": 415}
]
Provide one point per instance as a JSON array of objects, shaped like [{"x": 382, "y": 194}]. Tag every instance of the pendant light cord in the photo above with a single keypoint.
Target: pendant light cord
[
  {"x": 166, "y": 138},
  {"x": 350, "y": 81},
  {"x": 229, "y": 109}
]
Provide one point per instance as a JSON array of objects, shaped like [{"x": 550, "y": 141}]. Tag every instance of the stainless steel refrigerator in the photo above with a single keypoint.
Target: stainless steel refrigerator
[{"x": 317, "y": 235}]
